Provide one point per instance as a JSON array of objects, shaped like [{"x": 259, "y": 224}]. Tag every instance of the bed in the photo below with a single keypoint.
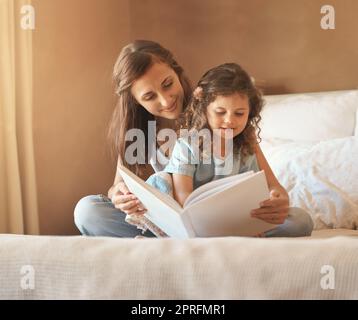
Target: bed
[{"x": 310, "y": 141}]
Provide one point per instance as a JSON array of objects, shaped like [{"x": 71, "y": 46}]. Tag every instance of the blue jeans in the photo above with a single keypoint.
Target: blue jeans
[{"x": 96, "y": 215}]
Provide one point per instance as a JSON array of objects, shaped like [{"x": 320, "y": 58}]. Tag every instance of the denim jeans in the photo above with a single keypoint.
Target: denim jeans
[{"x": 96, "y": 215}]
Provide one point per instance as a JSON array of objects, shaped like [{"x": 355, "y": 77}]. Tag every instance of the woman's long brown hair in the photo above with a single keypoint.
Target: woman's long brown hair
[{"x": 133, "y": 61}]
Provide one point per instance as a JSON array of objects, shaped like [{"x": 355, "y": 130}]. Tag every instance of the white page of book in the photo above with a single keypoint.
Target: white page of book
[
  {"x": 213, "y": 187},
  {"x": 160, "y": 207},
  {"x": 228, "y": 213},
  {"x": 162, "y": 196},
  {"x": 209, "y": 193}
]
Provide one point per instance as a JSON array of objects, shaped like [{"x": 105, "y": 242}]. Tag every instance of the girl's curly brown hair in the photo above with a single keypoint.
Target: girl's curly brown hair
[{"x": 224, "y": 80}]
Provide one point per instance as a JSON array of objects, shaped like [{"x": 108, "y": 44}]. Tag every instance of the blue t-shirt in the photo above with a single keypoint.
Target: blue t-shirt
[{"x": 185, "y": 160}]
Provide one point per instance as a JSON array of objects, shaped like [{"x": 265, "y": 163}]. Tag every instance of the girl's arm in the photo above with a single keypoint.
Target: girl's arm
[
  {"x": 272, "y": 181},
  {"x": 275, "y": 209},
  {"x": 182, "y": 187}
]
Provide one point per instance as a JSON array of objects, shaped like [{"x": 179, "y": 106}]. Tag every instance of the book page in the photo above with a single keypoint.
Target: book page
[
  {"x": 162, "y": 209},
  {"x": 213, "y": 187},
  {"x": 209, "y": 193},
  {"x": 227, "y": 213}
]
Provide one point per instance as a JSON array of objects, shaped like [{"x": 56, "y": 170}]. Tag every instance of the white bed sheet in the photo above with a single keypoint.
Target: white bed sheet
[{"x": 117, "y": 268}]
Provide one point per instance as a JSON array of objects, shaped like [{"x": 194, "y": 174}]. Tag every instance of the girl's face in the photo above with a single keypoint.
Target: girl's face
[
  {"x": 159, "y": 91},
  {"x": 228, "y": 112}
]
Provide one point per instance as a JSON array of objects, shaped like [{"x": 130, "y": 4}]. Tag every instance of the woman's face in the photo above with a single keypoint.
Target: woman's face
[{"x": 159, "y": 91}]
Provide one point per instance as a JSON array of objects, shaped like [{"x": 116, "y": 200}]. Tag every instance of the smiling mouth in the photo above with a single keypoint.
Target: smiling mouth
[{"x": 172, "y": 107}]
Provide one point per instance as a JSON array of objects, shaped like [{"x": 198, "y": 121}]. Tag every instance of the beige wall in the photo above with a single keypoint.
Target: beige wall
[
  {"x": 76, "y": 42},
  {"x": 75, "y": 45},
  {"x": 280, "y": 42}
]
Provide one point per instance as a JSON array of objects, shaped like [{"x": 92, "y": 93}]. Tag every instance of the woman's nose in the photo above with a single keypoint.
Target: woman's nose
[{"x": 165, "y": 100}]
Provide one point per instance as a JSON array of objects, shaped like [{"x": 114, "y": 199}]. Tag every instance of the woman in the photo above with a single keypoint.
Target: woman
[{"x": 150, "y": 86}]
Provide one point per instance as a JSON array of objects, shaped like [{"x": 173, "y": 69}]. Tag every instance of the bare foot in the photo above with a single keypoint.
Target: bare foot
[{"x": 260, "y": 235}]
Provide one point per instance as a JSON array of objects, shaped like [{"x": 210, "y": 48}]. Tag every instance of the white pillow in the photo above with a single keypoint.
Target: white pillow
[
  {"x": 310, "y": 116},
  {"x": 356, "y": 130}
]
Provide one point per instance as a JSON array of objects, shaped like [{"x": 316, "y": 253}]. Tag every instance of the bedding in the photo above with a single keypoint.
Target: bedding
[
  {"x": 311, "y": 142},
  {"x": 313, "y": 155},
  {"x": 310, "y": 116},
  {"x": 76, "y": 267},
  {"x": 356, "y": 128},
  {"x": 320, "y": 177}
]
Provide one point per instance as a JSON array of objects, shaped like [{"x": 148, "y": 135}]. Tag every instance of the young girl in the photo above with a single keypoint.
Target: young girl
[{"x": 227, "y": 102}]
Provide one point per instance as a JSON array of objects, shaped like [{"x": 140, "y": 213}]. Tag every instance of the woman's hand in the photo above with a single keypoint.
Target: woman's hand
[
  {"x": 126, "y": 201},
  {"x": 273, "y": 210}
]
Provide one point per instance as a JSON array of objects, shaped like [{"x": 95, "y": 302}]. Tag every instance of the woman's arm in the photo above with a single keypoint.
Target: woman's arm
[
  {"x": 118, "y": 178},
  {"x": 183, "y": 186},
  {"x": 121, "y": 197}
]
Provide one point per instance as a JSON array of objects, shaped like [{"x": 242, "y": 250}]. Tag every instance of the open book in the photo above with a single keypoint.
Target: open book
[{"x": 218, "y": 208}]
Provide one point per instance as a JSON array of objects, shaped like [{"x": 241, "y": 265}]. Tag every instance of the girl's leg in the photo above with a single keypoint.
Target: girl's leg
[
  {"x": 297, "y": 224},
  {"x": 96, "y": 215}
]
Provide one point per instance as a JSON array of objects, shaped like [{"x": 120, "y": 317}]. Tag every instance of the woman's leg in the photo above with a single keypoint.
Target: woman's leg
[
  {"x": 298, "y": 224},
  {"x": 96, "y": 215}
]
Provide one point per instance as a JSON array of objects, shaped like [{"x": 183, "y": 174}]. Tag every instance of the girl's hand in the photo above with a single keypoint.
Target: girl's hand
[
  {"x": 126, "y": 201},
  {"x": 273, "y": 210}
]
